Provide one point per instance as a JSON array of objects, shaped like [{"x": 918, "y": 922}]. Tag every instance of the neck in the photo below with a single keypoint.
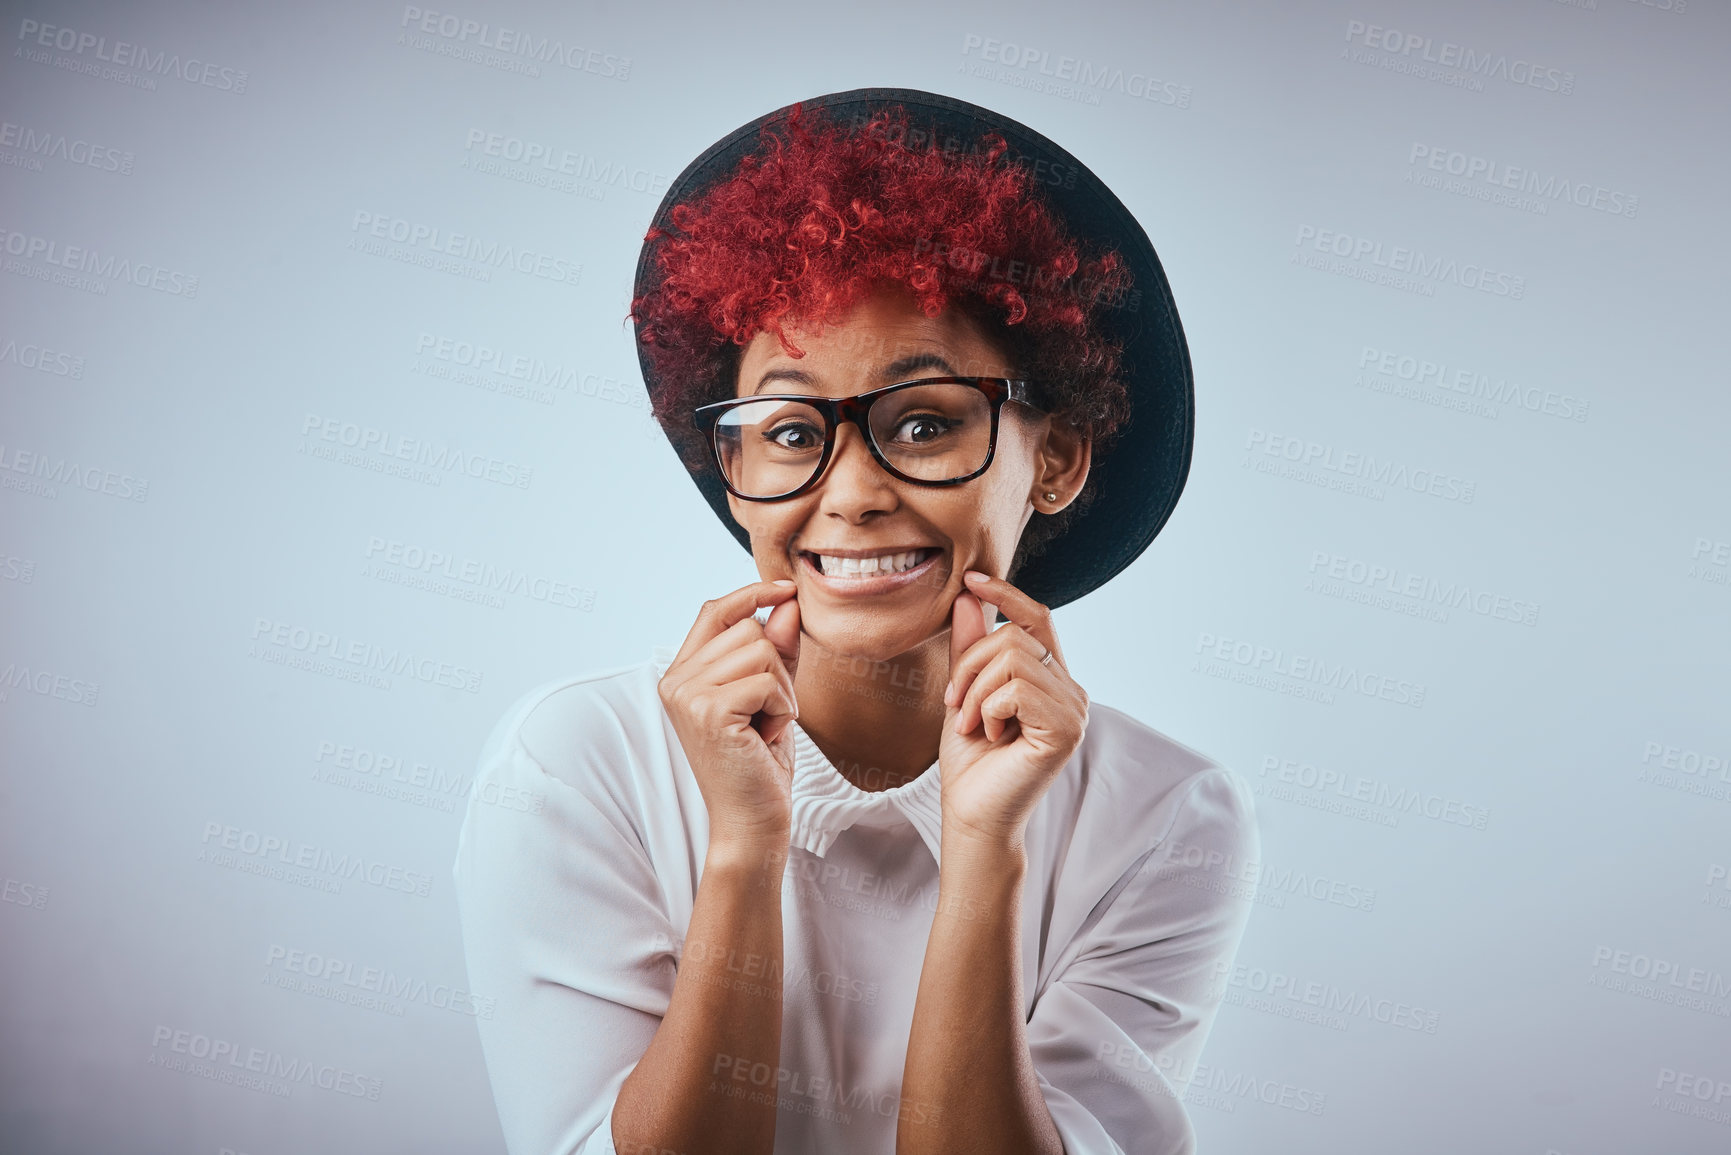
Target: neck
[{"x": 878, "y": 722}]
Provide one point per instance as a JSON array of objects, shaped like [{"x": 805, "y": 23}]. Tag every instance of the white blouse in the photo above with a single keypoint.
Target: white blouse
[{"x": 578, "y": 863}]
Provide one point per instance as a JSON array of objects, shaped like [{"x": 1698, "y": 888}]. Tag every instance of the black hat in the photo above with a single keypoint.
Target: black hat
[{"x": 1138, "y": 478}]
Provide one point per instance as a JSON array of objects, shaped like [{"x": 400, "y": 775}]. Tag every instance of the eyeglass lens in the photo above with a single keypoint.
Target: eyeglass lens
[{"x": 935, "y": 432}]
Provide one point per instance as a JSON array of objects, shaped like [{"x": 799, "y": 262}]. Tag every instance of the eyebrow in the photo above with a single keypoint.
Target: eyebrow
[
  {"x": 897, "y": 370},
  {"x": 797, "y": 376}
]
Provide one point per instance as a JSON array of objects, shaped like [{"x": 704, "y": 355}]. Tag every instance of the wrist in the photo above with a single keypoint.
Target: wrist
[
  {"x": 971, "y": 852},
  {"x": 995, "y": 841},
  {"x": 755, "y": 851}
]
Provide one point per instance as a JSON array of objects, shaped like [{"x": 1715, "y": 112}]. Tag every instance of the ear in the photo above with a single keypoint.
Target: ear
[{"x": 1061, "y": 466}]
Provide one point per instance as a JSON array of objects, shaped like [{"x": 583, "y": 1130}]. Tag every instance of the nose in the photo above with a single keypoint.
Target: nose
[{"x": 855, "y": 487}]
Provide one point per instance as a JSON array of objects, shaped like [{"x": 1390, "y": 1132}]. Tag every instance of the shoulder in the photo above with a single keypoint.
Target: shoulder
[
  {"x": 579, "y": 726},
  {"x": 1135, "y": 783},
  {"x": 1131, "y": 802},
  {"x": 573, "y": 766}
]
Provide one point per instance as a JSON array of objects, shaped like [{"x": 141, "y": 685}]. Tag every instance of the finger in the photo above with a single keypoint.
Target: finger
[
  {"x": 967, "y": 626},
  {"x": 1003, "y": 667},
  {"x": 752, "y": 658},
  {"x": 735, "y": 637},
  {"x": 772, "y": 700},
  {"x": 738, "y": 700},
  {"x": 1017, "y": 607},
  {"x": 1010, "y": 636},
  {"x": 782, "y": 629},
  {"x": 759, "y": 694},
  {"x": 739, "y": 709},
  {"x": 997, "y": 710},
  {"x": 1038, "y": 715},
  {"x": 728, "y": 610},
  {"x": 772, "y": 726}
]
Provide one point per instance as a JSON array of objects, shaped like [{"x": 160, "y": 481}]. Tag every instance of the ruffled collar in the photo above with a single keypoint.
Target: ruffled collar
[{"x": 825, "y": 803}]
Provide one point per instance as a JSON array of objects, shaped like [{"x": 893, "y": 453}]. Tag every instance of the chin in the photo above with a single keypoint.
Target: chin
[{"x": 867, "y": 635}]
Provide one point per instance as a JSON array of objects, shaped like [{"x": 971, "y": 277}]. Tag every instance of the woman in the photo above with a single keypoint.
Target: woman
[{"x": 867, "y": 874}]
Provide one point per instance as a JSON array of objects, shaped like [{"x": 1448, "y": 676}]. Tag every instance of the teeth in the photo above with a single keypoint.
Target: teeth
[{"x": 864, "y": 567}]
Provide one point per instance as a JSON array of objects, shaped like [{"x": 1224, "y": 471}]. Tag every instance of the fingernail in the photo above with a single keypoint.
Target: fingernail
[
  {"x": 782, "y": 582},
  {"x": 949, "y": 692},
  {"x": 975, "y": 575}
]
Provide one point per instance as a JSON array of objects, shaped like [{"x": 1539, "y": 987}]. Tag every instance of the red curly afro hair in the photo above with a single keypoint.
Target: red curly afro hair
[{"x": 823, "y": 213}]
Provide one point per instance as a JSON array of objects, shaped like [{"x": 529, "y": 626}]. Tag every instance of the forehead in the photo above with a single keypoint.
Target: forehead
[{"x": 880, "y": 339}]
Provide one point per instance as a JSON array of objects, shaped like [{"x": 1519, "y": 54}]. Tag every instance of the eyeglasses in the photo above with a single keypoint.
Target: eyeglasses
[{"x": 934, "y": 431}]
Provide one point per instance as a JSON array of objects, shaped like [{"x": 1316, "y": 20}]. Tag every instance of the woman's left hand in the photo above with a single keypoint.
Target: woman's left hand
[{"x": 1012, "y": 717}]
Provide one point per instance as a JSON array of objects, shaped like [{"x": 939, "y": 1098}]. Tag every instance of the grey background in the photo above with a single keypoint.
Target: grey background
[{"x": 1271, "y": 125}]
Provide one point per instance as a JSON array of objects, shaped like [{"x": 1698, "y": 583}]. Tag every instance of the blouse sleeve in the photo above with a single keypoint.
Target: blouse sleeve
[
  {"x": 565, "y": 930},
  {"x": 1116, "y": 1034}
]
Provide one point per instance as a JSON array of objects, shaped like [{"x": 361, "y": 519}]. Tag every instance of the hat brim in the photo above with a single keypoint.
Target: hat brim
[{"x": 1138, "y": 479}]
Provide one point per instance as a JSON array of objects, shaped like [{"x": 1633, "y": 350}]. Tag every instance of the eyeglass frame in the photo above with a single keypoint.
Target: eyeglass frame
[{"x": 854, "y": 410}]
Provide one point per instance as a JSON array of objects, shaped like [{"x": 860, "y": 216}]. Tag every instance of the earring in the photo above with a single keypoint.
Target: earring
[{"x": 1050, "y": 497}]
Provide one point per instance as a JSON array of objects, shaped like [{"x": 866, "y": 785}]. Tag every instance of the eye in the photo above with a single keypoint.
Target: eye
[
  {"x": 923, "y": 428},
  {"x": 795, "y": 435}
]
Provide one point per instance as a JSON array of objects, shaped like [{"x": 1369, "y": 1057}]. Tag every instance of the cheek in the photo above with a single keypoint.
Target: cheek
[
  {"x": 771, "y": 528},
  {"x": 1009, "y": 482},
  {"x": 993, "y": 521}
]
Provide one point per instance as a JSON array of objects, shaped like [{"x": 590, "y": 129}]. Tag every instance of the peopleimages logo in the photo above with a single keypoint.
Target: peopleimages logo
[
  {"x": 1276, "y": 987},
  {"x": 1073, "y": 77},
  {"x": 1661, "y": 980},
  {"x": 1447, "y": 60},
  {"x": 1398, "y": 266},
  {"x": 431, "y": 241},
  {"x": 20, "y": 893},
  {"x": 1329, "y": 570},
  {"x": 381, "y": 451},
  {"x": 499, "y": 370},
  {"x": 1302, "y": 675},
  {"x": 417, "y": 783},
  {"x": 1165, "y": 1073},
  {"x": 555, "y": 161},
  {"x": 513, "y": 45},
  {"x": 87, "y": 48},
  {"x": 40, "y": 473},
  {"x": 1690, "y": 1094},
  {"x": 35, "y": 145},
  {"x": 1710, "y": 561},
  {"x": 1460, "y": 387},
  {"x": 1705, "y": 774},
  {"x": 168, "y": 1045},
  {"x": 823, "y": 1097},
  {"x": 1687, "y": 761},
  {"x": 223, "y": 842},
  {"x": 42, "y": 359},
  {"x": 1264, "y": 877},
  {"x": 482, "y": 578},
  {"x": 341, "y": 980},
  {"x": 1318, "y": 782},
  {"x": 1353, "y": 472},
  {"x": 81, "y": 264},
  {"x": 47, "y": 684},
  {"x": 1485, "y": 179},
  {"x": 283, "y": 643}
]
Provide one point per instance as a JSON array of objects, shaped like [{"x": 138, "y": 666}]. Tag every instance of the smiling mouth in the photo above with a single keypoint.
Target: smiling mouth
[{"x": 886, "y": 564}]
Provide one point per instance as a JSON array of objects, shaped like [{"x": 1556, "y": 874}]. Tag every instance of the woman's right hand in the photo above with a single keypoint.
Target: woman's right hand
[{"x": 729, "y": 694}]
